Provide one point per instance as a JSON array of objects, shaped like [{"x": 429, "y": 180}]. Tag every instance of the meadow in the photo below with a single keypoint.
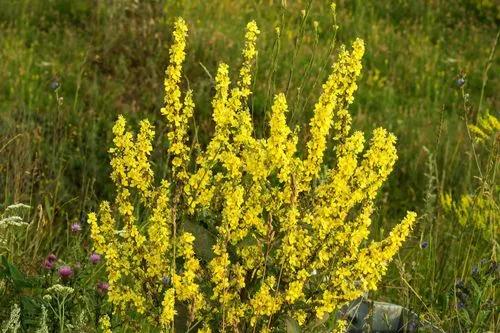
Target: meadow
[{"x": 69, "y": 69}]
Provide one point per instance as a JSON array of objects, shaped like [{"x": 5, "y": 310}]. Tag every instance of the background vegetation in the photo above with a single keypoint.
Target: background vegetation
[{"x": 68, "y": 68}]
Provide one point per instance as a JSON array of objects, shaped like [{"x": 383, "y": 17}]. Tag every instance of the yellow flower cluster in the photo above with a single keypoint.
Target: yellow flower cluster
[
  {"x": 177, "y": 112},
  {"x": 130, "y": 164},
  {"x": 480, "y": 209},
  {"x": 264, "y": 303},
  {"x": 168, "y": 308},
  {"x": 477, "y": 210},
  {"x": 105, "y": 324},
  {"x": 341, "y": 326},
  {"x": 288, "y": 240},
  {"x": 331, "y": 108},
  {"x": 488, "y": 126},
  {"x": 185, "y": 284}
]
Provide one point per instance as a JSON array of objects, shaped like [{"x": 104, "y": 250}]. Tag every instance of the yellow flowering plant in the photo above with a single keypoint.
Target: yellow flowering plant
[
  {"x": 289, "y": 234},
  {"x": 480, "y": 209}
]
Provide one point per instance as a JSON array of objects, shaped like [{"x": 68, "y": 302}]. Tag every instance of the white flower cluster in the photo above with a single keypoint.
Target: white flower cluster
[{"x": 60, "y": 290}]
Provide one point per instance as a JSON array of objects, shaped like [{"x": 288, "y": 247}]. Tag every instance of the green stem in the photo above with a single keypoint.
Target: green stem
[{"x": 485, "y": 73}]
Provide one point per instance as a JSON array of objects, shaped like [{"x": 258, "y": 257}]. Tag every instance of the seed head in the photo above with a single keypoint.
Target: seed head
[{"x": 54, "y": 85}]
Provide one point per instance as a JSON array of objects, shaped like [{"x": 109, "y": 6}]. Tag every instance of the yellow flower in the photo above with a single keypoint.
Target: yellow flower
[
  {"x": 487, "y": 127},
  {"x": 288, "y": 238},
  {"x": 281, "y": 145},
  {"x": 477, "y": 210},
  {"x": 341, "y": 326},
  {"x": 105, "y": 324},
  {"x": 265, "y": 302},
  {"x": 159, "y": 234},
  {"x": 331, "y": 109},
  {"x": 177, "y": 114},
  {"x": 168, "y": 311},
  {"x": 295, "y": 288},
  {"x": 130, "y": 164},
  {"x": 249, "y": 54}
]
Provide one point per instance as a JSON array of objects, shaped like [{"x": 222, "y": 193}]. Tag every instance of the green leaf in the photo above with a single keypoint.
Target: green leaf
[
  {"x": 12, "y": 273},
  {"x": 292, "y": 326}
]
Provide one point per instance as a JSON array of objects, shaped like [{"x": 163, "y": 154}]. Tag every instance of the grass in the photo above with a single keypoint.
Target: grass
[{"x": 67, "y": 69}]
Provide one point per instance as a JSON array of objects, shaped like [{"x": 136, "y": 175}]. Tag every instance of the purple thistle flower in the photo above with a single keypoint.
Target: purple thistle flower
[
  {"x": 52, "y": 258},
  {"x": 76, "y": 227},
  {"x": 47, "y": 264},
  {"x": 49, "y": 261},
  {"x": 102, "y": 287},
  {"x": 65, "y": 272},
  {"x": 95, "y": 258}
]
